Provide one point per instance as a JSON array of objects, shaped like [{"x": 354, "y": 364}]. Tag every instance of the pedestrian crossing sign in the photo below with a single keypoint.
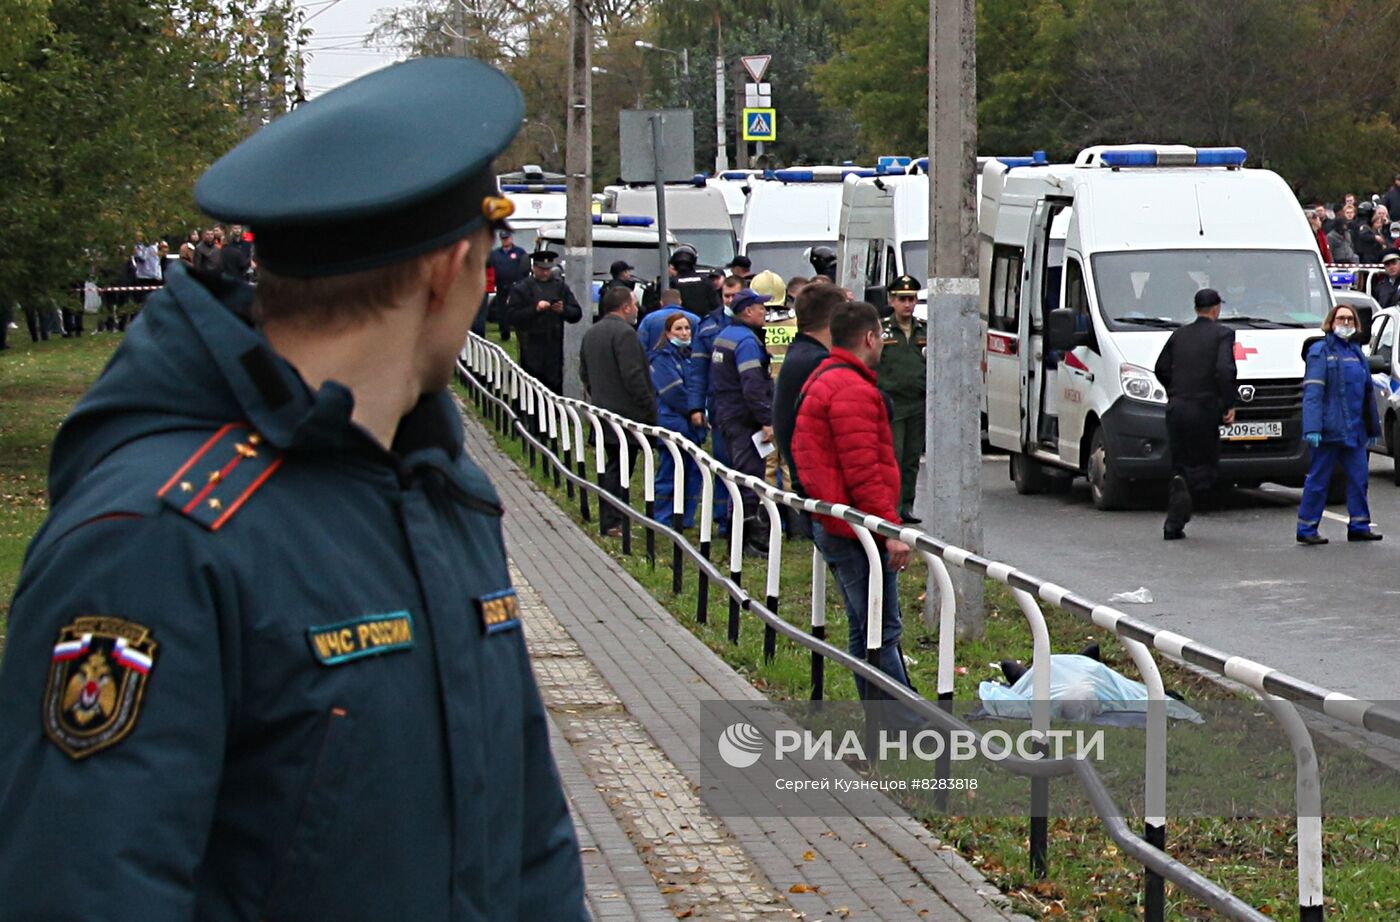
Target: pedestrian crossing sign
[{"x": 760, "y": 124}]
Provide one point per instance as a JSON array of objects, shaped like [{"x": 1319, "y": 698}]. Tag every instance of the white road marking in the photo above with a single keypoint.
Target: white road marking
[{"x": 1297, "y": 494}]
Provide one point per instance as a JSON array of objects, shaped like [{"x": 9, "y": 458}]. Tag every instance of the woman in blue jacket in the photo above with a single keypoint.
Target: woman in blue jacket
[
  {"x": 671, "y": 375},
  {"x": 1339, "y": 421}
]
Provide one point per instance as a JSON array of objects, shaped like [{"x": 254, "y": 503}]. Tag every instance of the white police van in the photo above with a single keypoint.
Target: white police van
[
  {"x": 696, "y": 213},
  {"x": 633, "y": 238},
  {"x": 1086, "y": 268},
  {"x": 789, "y": 212},
  {"x": 540, "y": 198}
]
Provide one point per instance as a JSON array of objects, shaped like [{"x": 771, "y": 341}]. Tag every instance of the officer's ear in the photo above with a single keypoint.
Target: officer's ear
[{"x": 447, "y": 267}]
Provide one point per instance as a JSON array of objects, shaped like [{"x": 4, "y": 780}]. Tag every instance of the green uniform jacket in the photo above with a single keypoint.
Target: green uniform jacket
[
  {"x": 297, "y": 690},
  {"x": 903, "y": 367}
]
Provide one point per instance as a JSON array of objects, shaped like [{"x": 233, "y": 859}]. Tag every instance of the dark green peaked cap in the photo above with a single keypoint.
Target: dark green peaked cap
[{"x": 386, "y": 167}]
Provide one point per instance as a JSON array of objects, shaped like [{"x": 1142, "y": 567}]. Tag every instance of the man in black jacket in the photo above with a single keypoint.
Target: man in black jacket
[
  {"x": 616, "y": 376},
  {"x": 537, "y": 309},
  {"x": 1197, "y": 367},
  {"x": 809, "y": 347}
]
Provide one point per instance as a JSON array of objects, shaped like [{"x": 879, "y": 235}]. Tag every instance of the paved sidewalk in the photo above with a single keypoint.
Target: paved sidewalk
[{"x": 622, "y": 681}]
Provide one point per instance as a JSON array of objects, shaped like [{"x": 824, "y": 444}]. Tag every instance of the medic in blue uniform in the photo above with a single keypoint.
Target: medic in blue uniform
[
  {"x": 698, "y": 392},
  {"x": 671, "y": 374},
  {"x": 1339, "y": 419}
]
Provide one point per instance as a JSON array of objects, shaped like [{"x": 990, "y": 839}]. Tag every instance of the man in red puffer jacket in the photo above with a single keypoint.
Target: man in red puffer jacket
[{"x": 843, "y": 449}]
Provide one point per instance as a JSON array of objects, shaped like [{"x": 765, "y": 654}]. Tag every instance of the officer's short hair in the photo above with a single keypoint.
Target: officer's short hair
[
  {"x": 814, "y": 305},
  {"x": 348, "y": 298},
  {"x": 670, "y": 297},
  {"x": 851, "y": 320},
  {"x": 615, "y": 299},
  {"x": 733, "y": 281}
]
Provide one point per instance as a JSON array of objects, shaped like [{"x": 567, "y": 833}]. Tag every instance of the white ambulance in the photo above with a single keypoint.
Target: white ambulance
[
  {"x": 884, "y": 233},
  {"x": 1086, "y": 268},
  {"x": 789, "y": 212}
]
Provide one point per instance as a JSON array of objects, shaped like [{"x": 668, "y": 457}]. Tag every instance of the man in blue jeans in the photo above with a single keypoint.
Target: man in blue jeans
[{"x": 857, "y": 469}]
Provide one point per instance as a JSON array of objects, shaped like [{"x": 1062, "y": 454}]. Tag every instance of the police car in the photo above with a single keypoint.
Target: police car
[
  {"x": 540, "y": 198},
  {"x": 1384, "y": 348},
  {"x": 632, "y": 238},
  {"x": 696, "y": 212}
]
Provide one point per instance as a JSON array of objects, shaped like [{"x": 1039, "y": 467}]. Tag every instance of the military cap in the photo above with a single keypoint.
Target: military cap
[
  {"x": 905, "y": 284},
  {"x": 384, "y": 168},
  {"x": 544, "y": 257}
]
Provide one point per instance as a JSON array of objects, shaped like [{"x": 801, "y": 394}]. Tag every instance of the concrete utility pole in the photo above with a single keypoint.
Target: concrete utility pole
[
  {"x": 951, "y": 502},
  {"x": 721, "y": 151},
  {"x": 578, "y": 226}
]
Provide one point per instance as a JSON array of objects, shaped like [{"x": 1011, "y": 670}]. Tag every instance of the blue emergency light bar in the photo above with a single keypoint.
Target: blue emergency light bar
[
  {"x": 1341, "y": 278},
  {"x": 534, "y": 187},
  {"x": 734, "y": 175},
  {"x": 1204, "y": 156},
  {"x": 699, "y": 179},
  {"x": 888, "y": 161},
  {"x": 624, "y": 220},
  {"x": 832, "y": 176},
  {"x": 1037, "y": 158}
]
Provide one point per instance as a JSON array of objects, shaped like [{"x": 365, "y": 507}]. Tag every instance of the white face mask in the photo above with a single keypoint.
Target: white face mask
[
  {"x": 677, "y": 341},
  {"x": 1344, "y": 331}
]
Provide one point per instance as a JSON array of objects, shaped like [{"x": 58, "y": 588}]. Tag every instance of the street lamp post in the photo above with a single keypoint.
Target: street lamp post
[{"x": 683, "y": 54}]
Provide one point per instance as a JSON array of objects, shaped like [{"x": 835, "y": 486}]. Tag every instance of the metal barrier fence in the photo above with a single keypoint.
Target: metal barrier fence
[{"x": 551, "y": 428}]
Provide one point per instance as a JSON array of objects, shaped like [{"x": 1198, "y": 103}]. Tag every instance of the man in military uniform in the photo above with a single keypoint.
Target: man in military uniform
[
  {"x": 265, "y": 660},
  {"x": 537, "y": 309},
  {"x": 902, "y": 374}
]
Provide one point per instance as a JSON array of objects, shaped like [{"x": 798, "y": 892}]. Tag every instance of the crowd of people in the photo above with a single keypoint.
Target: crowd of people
[
  {"x": 114, "y": 293},
  {"x": 701, "y": 360},
  {"x": 1364, "y": 232}
]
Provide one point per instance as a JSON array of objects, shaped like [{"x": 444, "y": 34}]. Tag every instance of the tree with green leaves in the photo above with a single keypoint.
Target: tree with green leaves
[
  {"x": 1299, "y": 83},
  {"x": 112, "y": 110}
]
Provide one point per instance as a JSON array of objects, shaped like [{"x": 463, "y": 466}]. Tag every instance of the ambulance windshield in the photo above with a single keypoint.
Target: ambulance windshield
[
  {"x": 716, "y": 247},
  {"x": 1265, "y": 289}
]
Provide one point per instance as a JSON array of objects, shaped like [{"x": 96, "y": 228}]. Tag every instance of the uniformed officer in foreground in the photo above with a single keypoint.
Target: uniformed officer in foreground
[
  {"x": 1197, "y": 367},
  {"x": 903, "y": 370},
  {"x": 538, "y": 308},
  {"x": 265, "y": 660}
]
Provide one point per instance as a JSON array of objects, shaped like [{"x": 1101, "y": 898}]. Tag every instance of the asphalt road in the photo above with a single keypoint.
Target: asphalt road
[{"x": 1239, "y": 582}]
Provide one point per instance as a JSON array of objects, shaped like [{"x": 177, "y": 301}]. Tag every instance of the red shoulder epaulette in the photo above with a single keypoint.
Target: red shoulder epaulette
[{"x": 218, "y": 479}]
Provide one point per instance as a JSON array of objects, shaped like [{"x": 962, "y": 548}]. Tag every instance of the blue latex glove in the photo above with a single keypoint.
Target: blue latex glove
[{"x": 1313, "y": 438}]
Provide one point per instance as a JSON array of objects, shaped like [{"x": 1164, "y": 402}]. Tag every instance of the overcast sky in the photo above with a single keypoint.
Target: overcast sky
[{"x": 336, "y": 51}]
